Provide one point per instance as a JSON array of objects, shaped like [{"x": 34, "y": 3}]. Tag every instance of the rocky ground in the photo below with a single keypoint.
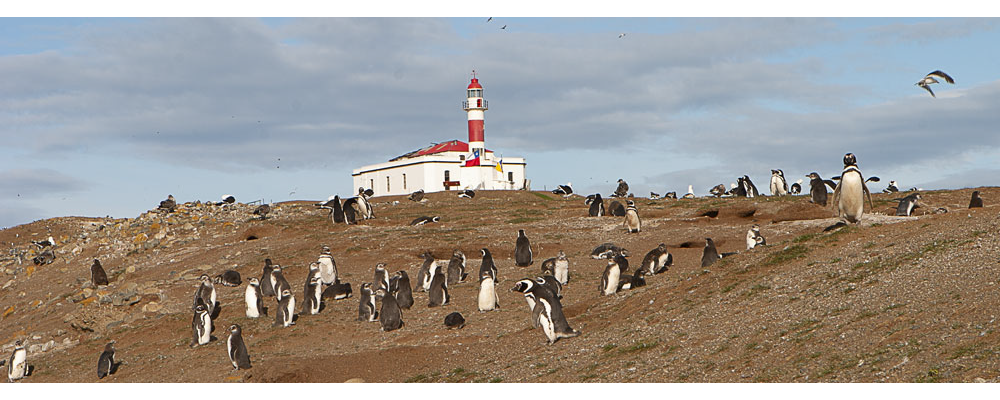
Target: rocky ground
[{"x": 896, "y": 299}]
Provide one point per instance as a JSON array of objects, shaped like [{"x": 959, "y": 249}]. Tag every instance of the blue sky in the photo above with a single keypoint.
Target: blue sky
[{"x": 108, "y": 116}]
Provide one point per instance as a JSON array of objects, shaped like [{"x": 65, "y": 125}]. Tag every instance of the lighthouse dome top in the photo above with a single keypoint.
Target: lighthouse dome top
[{"x": 475, "y": 84}]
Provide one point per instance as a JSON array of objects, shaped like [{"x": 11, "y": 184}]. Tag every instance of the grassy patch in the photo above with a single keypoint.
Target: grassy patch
[
  {"x": 787, "y": 254},
  {"x": 523, "y": 220},
  {"x": 542, "y": 196},
  {"x": 728, "y": 288},
  {"x": 805, "y": 238},
  {"x": 757, "y": 289},
  {"x": 639, "y": 347}
]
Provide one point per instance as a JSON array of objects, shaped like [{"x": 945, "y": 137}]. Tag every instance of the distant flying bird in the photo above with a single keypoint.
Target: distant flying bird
[
  {"x": 503, "y": 27},
  {"x": 621, "y": 36},
  {"x": 929, "y": 79},
  {"x": 489, "y": 19}
]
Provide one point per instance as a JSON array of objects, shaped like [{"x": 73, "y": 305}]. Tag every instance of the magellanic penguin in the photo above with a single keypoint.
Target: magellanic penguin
[
  {"x": 747, "y": 188},
  {"x": 609, "y": 279},
  {"x": 267, "y": 279},
  {"x": 596, "y": 207},
  {"x": 522, "y": 250},
  {"x": 336, "y": 210},
  {"x": 350, "y": 214},
  {"x": 97, "y": 275},
  {"x": 551, "y": 283},
  {"x": 424, "y": 220},
  {"x": 976, "y": 202},
  {"x": 817, "y": 189},
  {"x": 237, "y": 349},
  {"x": 437, "y": 294},
  {"x": 454, "y": 320},
  {"x": 607, "y": 250},
  {"x": 754, "y": 237},
  {"x": 622, "y": 189},
  {"x": 327, "y": 266},
  {"x": 106, "y": 361},
  {"x": 547, "y": 311},
  {"x": 488, "y": 265},
  {"x": 629, "y": 282},
  {"x": 423, "y": 275},
  {"x": 670, "y": 195},
  {"x": 337, "y": 290},
  {"x": 17, "y": 365},
  {"x": 710, "y": 255},
  {"x": 849, "y": 196},
  {"x": 892, "y": 188},
  {"x": 364, "y": 206},
  {"x": 632, "y": 223},
  {"x": 206, "y": 293},
  {"x": 488, "y": 297},
  {"x": 907, "y": 204},
  {"x": 779, "y": 187},
  {"x": 654, "y": 196},
  {"x": 201, "y": 325},
  {"x": 254, "y": 299},
  {"x": 456, "y": 267},
  {"x": 399, "y": 286},
  {"x": 366, "y": 308},
  {"x": 285, "y": 316},
  {"x": 168, "y": 205},
  {"x": 616, "y": 209},
  {"x": 280, "y": 283},
  {"x": 390, "y": 317},
  {"x": 796, "y": 187},
  {"x": 558, "y": 267},
  {"x": 229, "y": 278},
  {"x": 417, "y": 196},
  {"x": 657, "y": 261},
  {"x": 312, "y": 294},
  {"x": 381, "y": 280}
]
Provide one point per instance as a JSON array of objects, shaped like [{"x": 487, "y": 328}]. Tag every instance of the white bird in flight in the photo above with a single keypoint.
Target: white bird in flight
[
  {"x": 621, "y": 36},
  {"x": 929, "y": 79}
]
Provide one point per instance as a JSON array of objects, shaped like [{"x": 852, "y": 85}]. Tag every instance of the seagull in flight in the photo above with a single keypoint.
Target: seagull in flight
[
  {"x": 929, "y": 79},
  {"x": 489, "y": 19},
  {"x": 621, "y": 36},
  {"x": 503, "y": 27}
]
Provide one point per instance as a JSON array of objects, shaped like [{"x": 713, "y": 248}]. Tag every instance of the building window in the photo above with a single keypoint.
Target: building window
[
  {"x": 510, "y": 176},
  {"x": 387, "y": 190},
  {"x": 447, "y": 176},
  {"x": 404, "y": 181},
  {"x": 371, "y": 183}
]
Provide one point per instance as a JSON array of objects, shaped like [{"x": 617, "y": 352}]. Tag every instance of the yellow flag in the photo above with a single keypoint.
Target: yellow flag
[{"x": 500, "y": 166}]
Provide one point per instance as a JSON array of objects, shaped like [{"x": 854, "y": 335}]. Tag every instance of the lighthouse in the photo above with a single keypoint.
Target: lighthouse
[{"x": 449, "y": 165}]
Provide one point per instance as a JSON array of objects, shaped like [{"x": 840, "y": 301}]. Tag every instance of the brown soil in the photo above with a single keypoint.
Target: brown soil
[{"x": 897, "y": 299}]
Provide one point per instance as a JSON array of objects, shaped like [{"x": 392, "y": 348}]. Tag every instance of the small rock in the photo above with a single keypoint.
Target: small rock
[
  {"x": 130, "y": 269},
  {"x": 355, "y": 380},
  {"x": 87, "y": 292},
  {"x": 979, "y": 380},
  {"x": 152, "y": 307},
  {"x": 34, "y": 348}
]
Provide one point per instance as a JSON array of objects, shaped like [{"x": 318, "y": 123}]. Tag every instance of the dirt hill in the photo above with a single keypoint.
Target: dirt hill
[{"x": 897, "y": 299}]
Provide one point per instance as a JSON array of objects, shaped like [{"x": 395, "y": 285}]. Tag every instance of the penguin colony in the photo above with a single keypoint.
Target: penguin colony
[{"x": 393, "y": 290}]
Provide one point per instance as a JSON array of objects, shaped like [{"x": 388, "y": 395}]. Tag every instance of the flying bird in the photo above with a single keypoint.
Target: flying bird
[
  {"x": 621, "y": 36},
  {"x": 489, "y": 19},
  {"x": 929, "y": 79},
  {"x": 503, "y": 27}
]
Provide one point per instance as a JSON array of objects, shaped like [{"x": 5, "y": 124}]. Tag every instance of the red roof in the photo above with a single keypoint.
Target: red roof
[
  {"x": 475, "y": 84},
  {"x": 451, "y": 145}
]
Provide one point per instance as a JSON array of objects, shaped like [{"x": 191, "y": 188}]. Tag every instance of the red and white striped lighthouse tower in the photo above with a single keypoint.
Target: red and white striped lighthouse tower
[{"x": 475, "y": 107}]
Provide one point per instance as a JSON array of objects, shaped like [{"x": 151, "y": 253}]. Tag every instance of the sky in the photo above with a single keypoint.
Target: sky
[{"x": 107, "y": 116}]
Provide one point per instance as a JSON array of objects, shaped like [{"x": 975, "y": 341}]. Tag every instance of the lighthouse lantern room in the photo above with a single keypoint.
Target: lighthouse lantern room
[{"x": 449, "y": 165}]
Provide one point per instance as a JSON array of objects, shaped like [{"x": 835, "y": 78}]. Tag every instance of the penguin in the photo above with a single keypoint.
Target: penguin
[
  {"x": 229, "y": 278},
  {"x": 616, "y": 209},
  {"x": 366, "y": 308},
  {"x": 106, "y": 361},
  {"x": 609, "y": 279},
  {"x": 488, "y": 297},
  {"x": 690, "y": 193},
  {"x": 551, "y": 283},
  {"x": 424, "y": 220},
  {"x": 364, "y": 207},
  {"x": 892, "y": 188},
  {"x": 710, "y": 255},
  {"x": 621, "y": 261},
  {"x": 262, "y": 210},
  {"x": 312, "y": 295},
  {"x": 487, "y": 265},
  {"x": 607, "y": 250},
  {"x": 416, "y": 196},
  {"x": 267, "y": 279},
  {"x": 670, "y": 195},
  {"x": 327, "y": 266},
  {"x": 547, "y": 311},
  {"x": 748, "y": 187},
  {"x": 779, "y": 187},
  {"x": 907, "y": 204},
  {"x": 596, "y": 206},
  {"x": 286, "y": 309},
  {"x": 280, "y": 284},
  {"x": 423, "y": 275},
  {"x": 558, "y": 267},
  {"x": 522, "y": 250},
  {"x": 337, "y": 290},
  {"x": 399, "y": 285},
  {"x": 17, "y": 365},
  {"x": 168, "y": 205},
  {"x": 589, "y": 199},
  {"x": 848, "y": 197},
  {"x": 976, "y": 202},
  {"x": 654, "y": 196},
  {"x": 454, "y": 320},
  {"x": 336, "y": 209},
  {"x": 438, "y": 292},
  {"x": 754, "y": 237},
  {"x": 656, "y": 260},
  {"x": 390, "y": 317},
  {"x": 622, "y": 189},
  {"x": 632, "y": 223},
  {"x": 254, "y": 298},
  {"x": 381, "y": 280},
  {"x": 97, "y": 275},
  {"x": 456, "y": 268},
  {"x": 629, "y": 282},
  {"x": 467, "y": 194},
  {"x": 206, "y": 293},
  {"x": 718, "y": 190},
  {"x": 350, "y": 214},
  {"x": 369, "y": 192},
  {"x": 817, "y": 189},
  {"x": 201, "y": 325},
  {"x": 796, "y": 187},
  {"x": 565, "y": 190},
  {"x": 237, "y": 349}
]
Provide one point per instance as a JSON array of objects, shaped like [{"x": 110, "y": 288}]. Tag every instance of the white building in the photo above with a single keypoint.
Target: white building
[{"x": 451, "y": 165}]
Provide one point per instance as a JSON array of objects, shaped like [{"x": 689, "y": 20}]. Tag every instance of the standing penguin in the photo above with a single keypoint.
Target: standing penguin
[
  {"x": 456, "y": 268},
  {"x": 366, "y": 308},
  {"x": 558, "y": 267},
  {"x": 522, "y": 250},
  {"x": 976, "y": 202},
  {"x": 312, "y": 294},
  {"x": 551, "y": 283},
  {"x": 364, "y": 206},
  {"x": 206, "y": 293},
  {"x": 106, "y": 362},
  {"x": 487, "y": 264},
  {"x": 817, "y": 189},
  {"x": 327, "y": 266},
  {"x": 657, "y": 260},
  {"x": 629, "y": 282},
  {"x": 350, "y": 214},
  {"x": 267, "y": 279},
  {"x": 547, "y": 310},
  {"x": 97, "y": 275},
  {"x": 710, "y": 255},
  {"x": 285, "y": 316},
  {"x": 399, "y": 285},
  {"x": 438, "y": 292},
  {"x": 390, "y": 317},
  {"x": 907, "y": 204},
  {"x": 609, "y": 279},
  {"x": 381, "y": 280},
  {"x": 337, "y": 213},
  {"x": 201, "y": 325},
  {"x": 596, "y": 206},
  {"x": 632, "y": 223},
  {"x": 280, "y": 283},
  {"x": 488, "y": 298},
  {"x": 892, "y": 188},
  {"x": 254, "y": 299},
  {"x": 17, "y": 365},
  {"x": 849, "y": 196},
  {"x": 423, "y": 275},
  {"x": 754, "y": 238},
  {"x": 779, "y": 187},
  {"x": 237, "y": 349}
]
